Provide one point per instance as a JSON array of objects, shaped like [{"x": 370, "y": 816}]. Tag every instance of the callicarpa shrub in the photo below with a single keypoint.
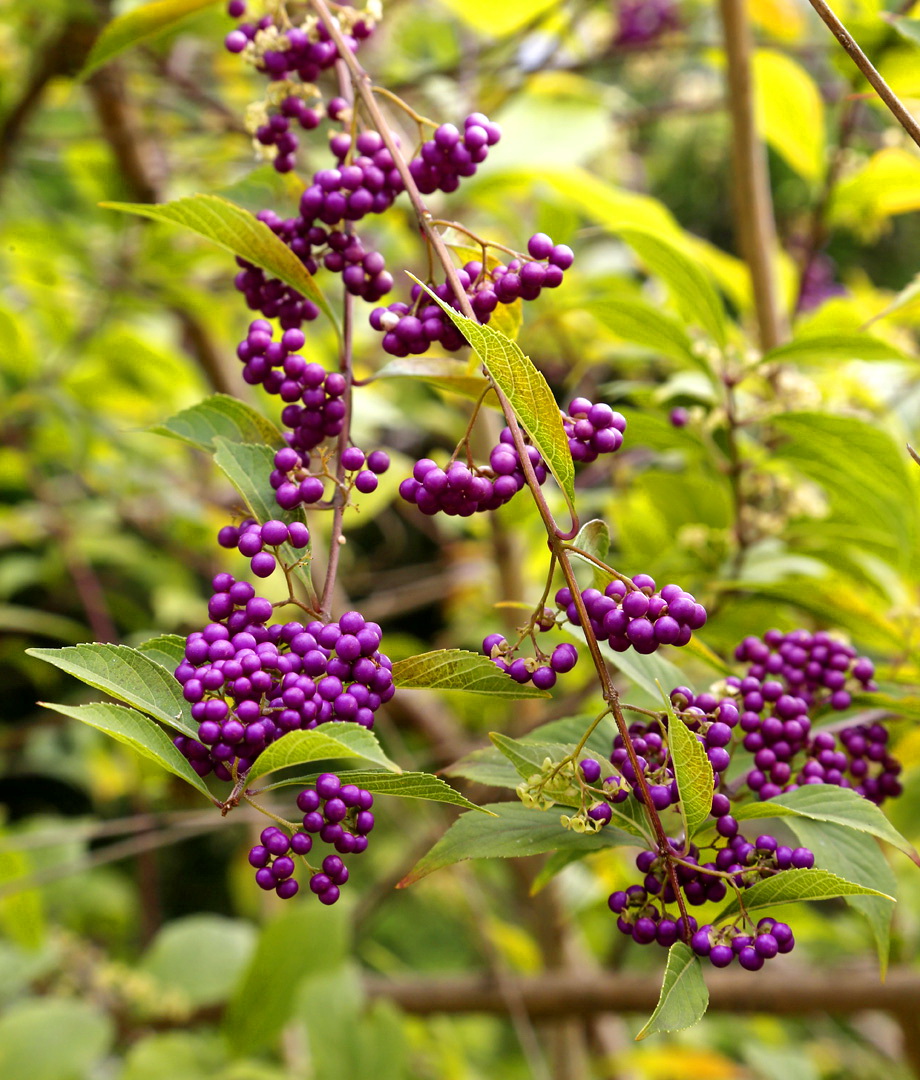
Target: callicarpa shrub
[{"x": 270, "y": 686}]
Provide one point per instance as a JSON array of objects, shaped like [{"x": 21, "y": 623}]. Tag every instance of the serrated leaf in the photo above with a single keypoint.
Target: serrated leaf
[
  {"x": 452, "y": 375},
  {"x": 138, "y": 25},
  {"x": 833, "y": 349},
  {"x": 236, "y": 230},
  {"x": 684, "y": 997},
  {"x": 458, "y": 669},
  {"x": 643, "y": 324},
  {"x": 691, "y": 289},
  {"x": 327, "y": 741},
  {"x": 486, "y": 766},
  {"x": 220, "y": 416},
  {"x": 126, "y": 675},
  {"x": 518, "y": 831},
  {"x": 248, "y": 466},
  {"x": 526, "y": 389},
  {"x": 407, "y": 785},
  {"x": 692, "y": 771},
  {"x": 859, "y": 857},
  {"x": 139, "y": 732},
  {"x": 167, "y": 650},
  {"x": 792, "y": 886},
  {"x": 827, "y": 802}
]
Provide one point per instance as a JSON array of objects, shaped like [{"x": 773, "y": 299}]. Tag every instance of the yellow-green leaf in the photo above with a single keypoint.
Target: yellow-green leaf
[{"x": 790, "y": 112}]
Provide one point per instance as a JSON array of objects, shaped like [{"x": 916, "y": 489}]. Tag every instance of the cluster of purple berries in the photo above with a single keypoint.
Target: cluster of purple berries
[
  {"x": 413, "y": 328},
  {"x": 251, "y": 539},
  {"x": 294, "y": 484},
  {"x": 543, "y": 675},
  {"x": 592, "y": 429},
  {"x": 280, "y": 369},
  {"x": 462, "y": 491},
  {"x": 722, "y": 945},
  {"x": 639, "y": 617},
  {"x": 249, "y": 683},
  {"x": 334, "y": 813},
  {"x": 451, "y": 154},
  {"x": 282, "y": 53},
  {"x": 270, "y": 296},
  {"x": 641, "y": 21}
]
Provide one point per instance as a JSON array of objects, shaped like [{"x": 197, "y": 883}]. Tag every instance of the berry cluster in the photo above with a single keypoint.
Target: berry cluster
[
  {"x": 272, "y": 297},
  {"x": 641, "y": 21},
  {"x": 462, "y": 490},
  {"x": 334, "y": 813},
  {"x": 451, "y": 155},
  {"x": 639, "y": 617},
  {"x": 643, "y": 915},
  {"x": 861, "y": 760},
  {"x": 592, "y": 430},
  {"x": 249, "y": 683},
  {"x": 251, "y": 539},
  {"x": 541, "y": 671},
  {"x": 295, "y": 484},
  {"x": 414, "y": 328}
]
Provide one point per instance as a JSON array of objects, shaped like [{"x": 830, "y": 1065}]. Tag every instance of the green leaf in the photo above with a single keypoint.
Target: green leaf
[
  {"x": 407, "y": 785},
  {"x": 18, "y": 619},
  {"x": 692, "y": 771},
  {"x": 139, "y": 25},
  {"x": 486, "y": 766},
  {"x": 827, "y": 802},
  {"x": 137, "y": 731},
  {"x": 167, "y": 650},
  {"x": 518, "y": 831},
  {"x": 53, "y": 1038},
  {"x": 645, "y": 671},
  {"x": 248, "y": 466},
  {"x": 126, "y": 675},
  {"x": 239, "y": 232},
  {"x": 859, "y": 857},
  {"x": 220, "y": 416},
  {"x": 322, "y": 743},
  {"x": 701, "y": 651},
  {"x": 525, "y": 388},
  {"x": 790, "y": 112},
  {"x": 643, "y": 324},
  {"x": 909, "y": 29},
  {"x": 594, "y": 538},
  {"x": 302, "y": 939},
  {"x": 833, "y": 349},
  {"x": 691, "y": 289},
  {"x": 22, "y": 916},
  {"x": 791, "y": 886},
  {"x": 201, "y": 956},
  {"x": 457, "y": 669},
  {"x": 452, "y": 375},
  {"x": 684, "y": 997}
]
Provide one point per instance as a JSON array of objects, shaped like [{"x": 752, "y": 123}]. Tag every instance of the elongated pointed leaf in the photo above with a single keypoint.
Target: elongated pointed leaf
[
  {"x": 452, "y": 375},
  {"x": 642, "y": 324},
  {"x": 407, "y": 785},
  {"x": 236, "y": 230},
  {"x": 322, "y": 743},
  {"x": 684, "y": 998},
  {"x": 701, "y": 651},
  {"x": 859, "y": 858},
  {"x": 518, "y": 831},
  {"x": 139, "y": 732},
  {"x": 827, "y": 802},
  {"x": 525, "y": 388},
  {"x": 791, "y": 886},
  {"x": 167, "y": 650},
  {"x": 248, "y": 466},
  {"x": 139, "y": 25},
  {"x": 126, "y": 675},
  {"x": 220, "y": 416},
  {"x": 594, "y": 538},
  {"x": 692, "y": 771},
  {"x": 833, "y": 349},
  {"x": 691, "y": 289},
  {"x": 457, "y": 669}
]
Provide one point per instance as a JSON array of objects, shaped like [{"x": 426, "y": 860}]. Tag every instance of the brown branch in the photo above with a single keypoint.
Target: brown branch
[
  {"x": 555, "y": 994},
  {"x": 754, "y": 219},
  {"x": 865, "y": 65}
]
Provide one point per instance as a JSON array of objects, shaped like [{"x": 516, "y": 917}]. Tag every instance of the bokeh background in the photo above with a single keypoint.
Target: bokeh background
[{"x": 133, "y": 942}]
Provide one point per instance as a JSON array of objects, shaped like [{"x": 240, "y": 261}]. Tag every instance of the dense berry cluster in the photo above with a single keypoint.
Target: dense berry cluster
[
  {"x": 592, "y": 429},
  {"x": 451, "y": 154},
  {"x": 248, "y": 683},
  {"x": 463, "y": 490},
  {"x": 414, "y": 328},
  {"x": 642, "y": 911},
  {"x": 251, "y": 539},
  {"x": 641, "y": 21},
  {"x": 295, "y": 484},
  {"x": 333, "y": 813},
  {"x": 639, "y": 617}
]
